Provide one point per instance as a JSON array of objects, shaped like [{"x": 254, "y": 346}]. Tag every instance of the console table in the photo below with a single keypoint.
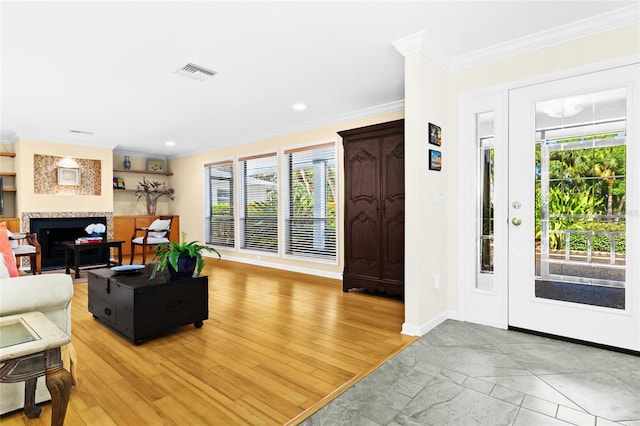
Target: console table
[
  {"x": 139, "y": 308},
  {"x": 30, "y": 347},
  {"x": 76, "y": 248}
]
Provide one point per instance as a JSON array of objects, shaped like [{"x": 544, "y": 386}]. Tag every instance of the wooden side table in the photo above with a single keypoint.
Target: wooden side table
[
  {"x": 30, "y": 347},
  {"x": 72, "y": 246}
]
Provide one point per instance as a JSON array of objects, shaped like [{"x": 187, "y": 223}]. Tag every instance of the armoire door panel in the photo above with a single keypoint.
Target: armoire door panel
[
  {"x": 364, "y": 257},
  {"x": 393, "y": 170},
  {"x": 392, "y": 237},
  {"x": 392, "y": 262},
  {"x": 363, "y": 169}
]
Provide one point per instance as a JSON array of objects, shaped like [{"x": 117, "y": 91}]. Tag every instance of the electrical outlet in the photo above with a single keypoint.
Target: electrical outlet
[{"x": 436, "y": 281}]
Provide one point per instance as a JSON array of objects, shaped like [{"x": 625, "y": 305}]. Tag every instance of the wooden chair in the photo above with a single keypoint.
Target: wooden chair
[
  {"x": 151, "y": 236},
  {"x": 27, "y": 245}
]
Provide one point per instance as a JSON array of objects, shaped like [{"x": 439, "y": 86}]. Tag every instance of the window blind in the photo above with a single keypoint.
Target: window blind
[
  {"x": 220, "y": 221},
  {"x": 259, "y": 209},
  {"x": 310, "y": 220}
]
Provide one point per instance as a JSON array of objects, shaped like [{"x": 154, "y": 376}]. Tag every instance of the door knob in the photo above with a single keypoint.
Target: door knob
[{"x": 516, "y": 221}]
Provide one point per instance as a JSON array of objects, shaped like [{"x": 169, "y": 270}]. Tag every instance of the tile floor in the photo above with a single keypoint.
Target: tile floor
[{"x": 468, "y": 374}]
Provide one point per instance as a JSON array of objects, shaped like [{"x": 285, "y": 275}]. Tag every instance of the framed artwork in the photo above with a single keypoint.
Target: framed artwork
[
  {"x": 435, "y": 160},
  {"x": 118, "y": 183},
  {"x": 154, "y": 165},
  {"x": 68, "y": 176},
  {"x": 435, "y": 134}
]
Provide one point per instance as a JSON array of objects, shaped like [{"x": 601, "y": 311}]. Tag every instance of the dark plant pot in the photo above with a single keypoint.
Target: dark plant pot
[{"x": 186, "y": 268}]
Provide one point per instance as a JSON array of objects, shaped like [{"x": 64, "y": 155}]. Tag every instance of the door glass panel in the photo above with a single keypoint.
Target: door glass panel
[
  {"x": 580, "y": 192},
  {"x": 485, "y": 150}
]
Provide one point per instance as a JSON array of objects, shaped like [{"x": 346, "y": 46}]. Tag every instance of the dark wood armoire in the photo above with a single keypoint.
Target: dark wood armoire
[{"x": 374, "y": 208}]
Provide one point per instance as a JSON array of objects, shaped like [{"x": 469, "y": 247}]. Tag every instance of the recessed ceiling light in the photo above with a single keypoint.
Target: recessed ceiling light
[
  {"x": 299, "y": 107},
  {"x": 170, "y": 143}
]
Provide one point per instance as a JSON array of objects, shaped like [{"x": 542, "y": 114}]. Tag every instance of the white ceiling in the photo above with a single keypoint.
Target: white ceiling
[{"x": 109, "y": 67}]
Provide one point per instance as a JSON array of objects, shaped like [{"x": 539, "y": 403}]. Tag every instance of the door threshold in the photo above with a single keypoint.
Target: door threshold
[{"x": 576, "y": 341}]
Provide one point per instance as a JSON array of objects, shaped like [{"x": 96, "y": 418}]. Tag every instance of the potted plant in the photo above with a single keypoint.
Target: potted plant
[
  {"x": 182, "y": 259},
  {"x": 152, "y": 190}
]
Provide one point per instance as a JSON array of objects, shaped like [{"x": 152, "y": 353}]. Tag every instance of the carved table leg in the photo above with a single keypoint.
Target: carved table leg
[
  {"x": 59, "y": 385},
  {"x": 31, "y": 410}
]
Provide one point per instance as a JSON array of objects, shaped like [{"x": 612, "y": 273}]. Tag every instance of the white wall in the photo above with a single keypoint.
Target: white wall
[{"x": 426, "y": 222}]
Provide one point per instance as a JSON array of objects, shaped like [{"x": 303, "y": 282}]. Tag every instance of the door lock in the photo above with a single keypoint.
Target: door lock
[{"x": 516, "y": 221}]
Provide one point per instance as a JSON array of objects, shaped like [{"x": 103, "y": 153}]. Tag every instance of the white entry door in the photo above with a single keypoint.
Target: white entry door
[{"x": 574, "y": 206}]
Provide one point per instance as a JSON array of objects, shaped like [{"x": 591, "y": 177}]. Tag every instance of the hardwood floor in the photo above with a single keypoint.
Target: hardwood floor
[{"x": 276, "y": 347}]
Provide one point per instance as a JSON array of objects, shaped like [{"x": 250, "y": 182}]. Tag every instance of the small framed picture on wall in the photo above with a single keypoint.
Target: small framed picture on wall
[
  {"x": 435, "y": 135},
  {"x": 68, "y": 176},
  {"x": 155, "y": 165},
  {"x": 435, "y": 160}
]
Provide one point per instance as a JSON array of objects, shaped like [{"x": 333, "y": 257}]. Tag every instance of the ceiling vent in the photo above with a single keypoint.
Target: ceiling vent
[{"x": 196, "y": 72}]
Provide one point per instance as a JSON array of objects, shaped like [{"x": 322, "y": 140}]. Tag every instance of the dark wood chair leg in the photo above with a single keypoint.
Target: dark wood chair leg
[
  {"x": 34, "y": 266},
  {"x": 133, "y": 248}
]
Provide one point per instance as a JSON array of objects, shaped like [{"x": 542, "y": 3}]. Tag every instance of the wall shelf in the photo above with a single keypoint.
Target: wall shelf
[
  {"x": 144, "y": 172},
  {"x": 10, "y": 191}
]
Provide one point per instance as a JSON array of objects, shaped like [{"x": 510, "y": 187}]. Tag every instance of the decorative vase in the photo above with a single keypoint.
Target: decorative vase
[
  {"x": 186, "y": 268},
  {"x": 127, "y": 163},
  {"x": 152, "y": 205}
]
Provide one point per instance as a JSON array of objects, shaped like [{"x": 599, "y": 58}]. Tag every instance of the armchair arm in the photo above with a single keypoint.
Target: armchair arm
[
  {"x": 50, "y": 294},
  {"x": 32, "y": 239}
]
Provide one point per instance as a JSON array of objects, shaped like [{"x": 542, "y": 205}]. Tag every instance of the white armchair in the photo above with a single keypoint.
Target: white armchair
[{"x": 50, "y": 294}]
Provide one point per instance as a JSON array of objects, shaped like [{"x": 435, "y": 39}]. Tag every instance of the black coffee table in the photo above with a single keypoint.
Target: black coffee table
[{"x": 139, "y": 308}]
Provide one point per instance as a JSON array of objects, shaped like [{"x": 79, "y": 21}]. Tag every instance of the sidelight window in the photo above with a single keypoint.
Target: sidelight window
[{"x": 485, "y": 201}]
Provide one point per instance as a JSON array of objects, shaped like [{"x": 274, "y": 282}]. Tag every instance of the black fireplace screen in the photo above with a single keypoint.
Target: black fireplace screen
[{"x": 53, "y": 232}]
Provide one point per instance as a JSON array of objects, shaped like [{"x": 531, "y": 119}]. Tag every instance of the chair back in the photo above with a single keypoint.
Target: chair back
[{"x": 161, "y": 227}]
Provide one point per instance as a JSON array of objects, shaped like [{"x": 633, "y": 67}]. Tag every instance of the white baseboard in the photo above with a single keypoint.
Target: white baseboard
[
  {"x": 421, "y": 330},
  {"x": 290, "y": 268}
]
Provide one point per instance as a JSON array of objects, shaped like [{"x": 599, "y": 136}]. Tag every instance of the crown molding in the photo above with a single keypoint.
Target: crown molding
[
  {"x": 576, "y": 30},
  {"x": 139, "y": 154},
  {"x": 420, "y": 42},
  {"x": 8, "y": 137},
  {"x": 310, "y": 125}
]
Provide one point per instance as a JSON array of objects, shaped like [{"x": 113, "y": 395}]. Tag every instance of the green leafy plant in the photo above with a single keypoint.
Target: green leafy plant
[{"x": 169, "y": 253}]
